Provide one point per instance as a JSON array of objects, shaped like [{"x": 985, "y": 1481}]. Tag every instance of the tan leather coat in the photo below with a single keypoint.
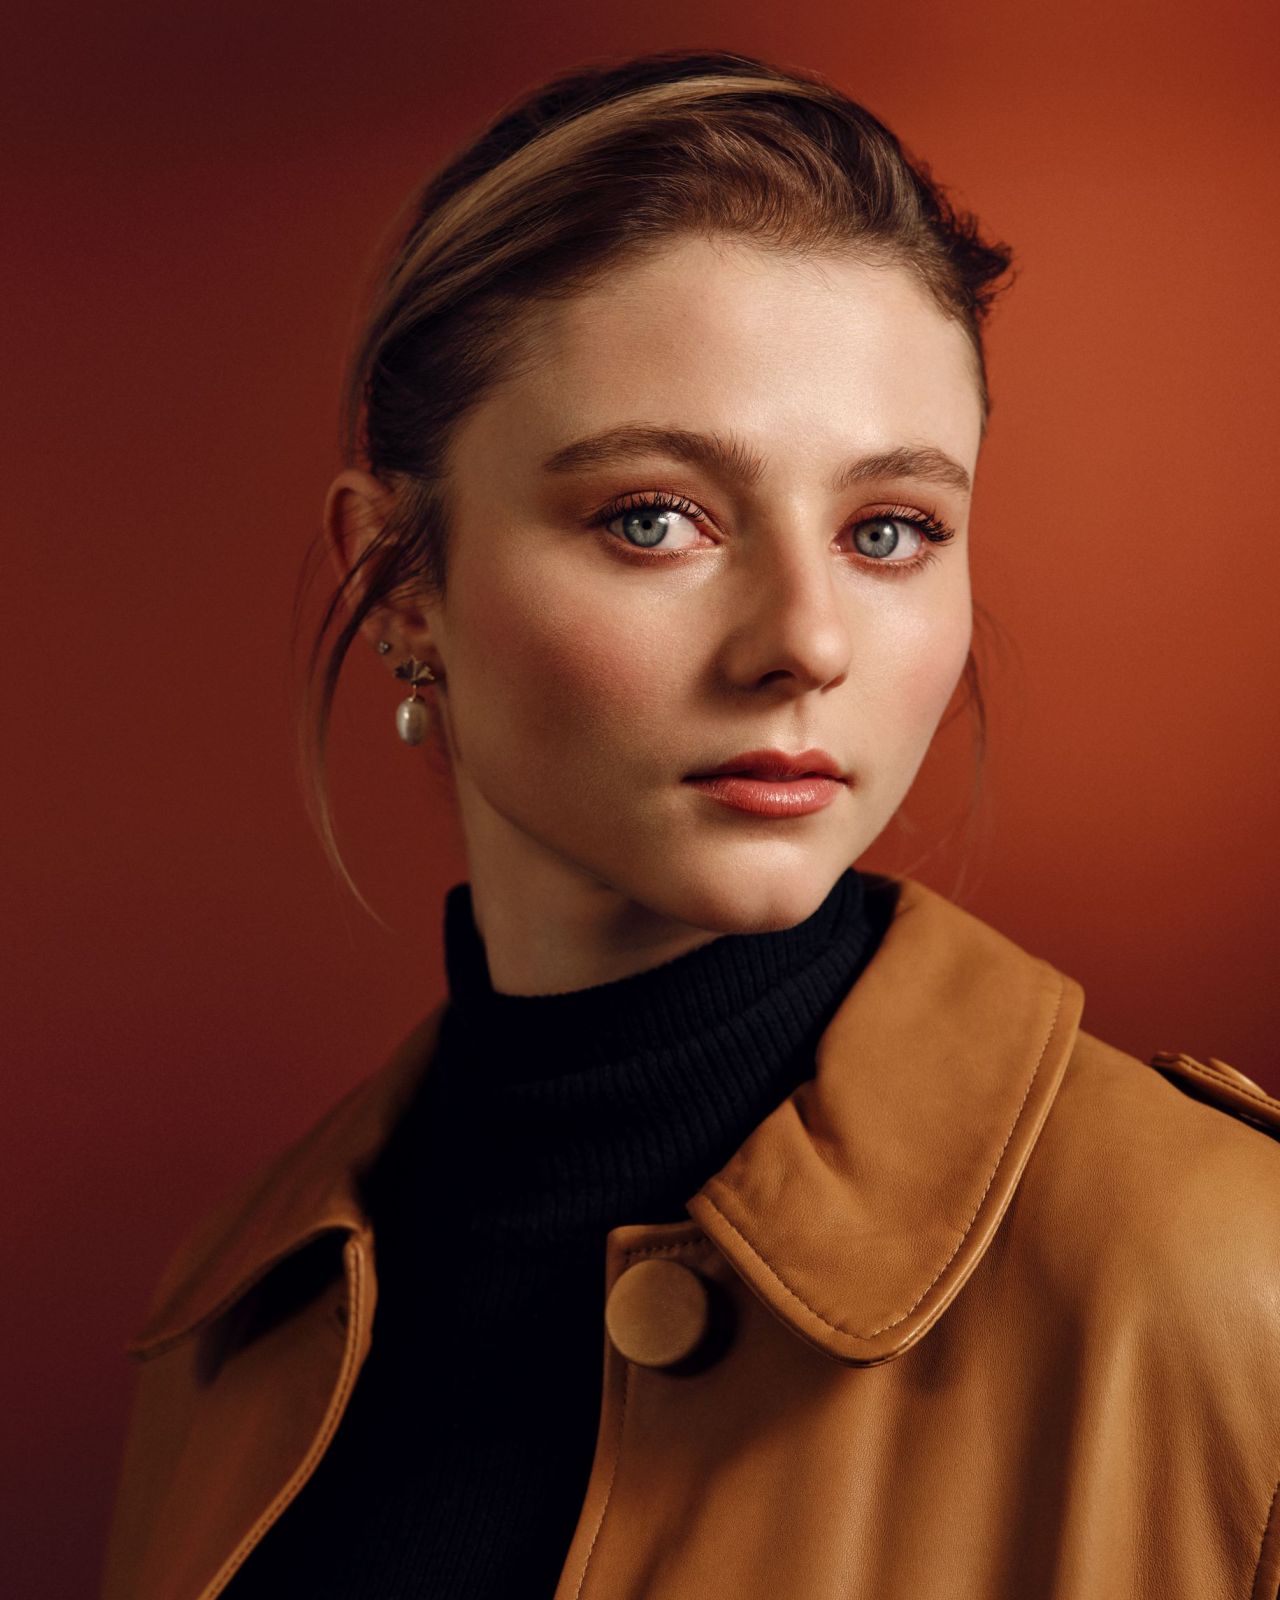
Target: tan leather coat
[{"x": 985, "y": 1310}]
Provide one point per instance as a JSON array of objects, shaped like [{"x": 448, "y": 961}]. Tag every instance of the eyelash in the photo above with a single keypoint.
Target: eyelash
[{"x": 932, "y": 530}]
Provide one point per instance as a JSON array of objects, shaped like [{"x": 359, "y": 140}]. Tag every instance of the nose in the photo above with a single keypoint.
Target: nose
[{"x": 790, "y": 611}]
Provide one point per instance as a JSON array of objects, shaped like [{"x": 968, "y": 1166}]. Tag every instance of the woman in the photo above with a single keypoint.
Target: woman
[{"x": 742, "y": 1224}]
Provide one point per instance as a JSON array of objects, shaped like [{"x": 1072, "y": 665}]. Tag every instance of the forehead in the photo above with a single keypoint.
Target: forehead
[{"x": 803, "y": 356}]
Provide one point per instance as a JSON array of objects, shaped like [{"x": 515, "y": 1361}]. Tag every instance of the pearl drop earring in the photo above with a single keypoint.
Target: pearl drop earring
[{"x": 413, "y": 716}]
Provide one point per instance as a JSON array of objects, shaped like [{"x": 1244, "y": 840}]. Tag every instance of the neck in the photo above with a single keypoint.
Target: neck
[{"x": 540, "y": 945}]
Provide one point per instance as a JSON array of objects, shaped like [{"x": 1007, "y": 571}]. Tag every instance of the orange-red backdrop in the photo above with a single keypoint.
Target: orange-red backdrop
[{"x": 195, "y": 198}]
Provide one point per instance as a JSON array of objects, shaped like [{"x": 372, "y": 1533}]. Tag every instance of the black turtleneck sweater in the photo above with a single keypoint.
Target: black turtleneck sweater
[{"x": 461, "y": 1464}]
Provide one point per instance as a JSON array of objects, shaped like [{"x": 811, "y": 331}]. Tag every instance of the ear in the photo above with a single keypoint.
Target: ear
[{"x": 356, "y": 509}]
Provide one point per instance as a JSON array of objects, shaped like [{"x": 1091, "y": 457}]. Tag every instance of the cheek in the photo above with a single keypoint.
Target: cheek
[
  {"x": 935, "y": 672},
  {"x": 555, "y": 674},
  {"x": 928, "y": 655}
]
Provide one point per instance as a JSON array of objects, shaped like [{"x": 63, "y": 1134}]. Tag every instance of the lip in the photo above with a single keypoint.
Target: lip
[
  {"x": 776, "y": 764},
  {"x": 769, "y": 797}
]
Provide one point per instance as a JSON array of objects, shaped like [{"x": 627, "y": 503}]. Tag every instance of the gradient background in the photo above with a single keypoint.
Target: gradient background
[{"x": 196, "y": 198}]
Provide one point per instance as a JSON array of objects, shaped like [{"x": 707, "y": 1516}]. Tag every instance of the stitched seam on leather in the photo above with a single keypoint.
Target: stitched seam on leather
[
  {"x": 692, "y": 1242},
  {"x": 1201, "y": 1070},
  {"x": 837, "y": 1327},
  {"x": 1255, "y": 1593},
  {"x": 346, "y": 1378},
  {"x": 613, "y": 1478}
]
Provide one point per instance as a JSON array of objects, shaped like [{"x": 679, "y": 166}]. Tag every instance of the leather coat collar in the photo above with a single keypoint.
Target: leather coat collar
[{"x": 856, "y": 1209}]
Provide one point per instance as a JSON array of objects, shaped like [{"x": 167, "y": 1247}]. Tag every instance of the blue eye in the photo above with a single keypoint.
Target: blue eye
[
  {"x": 646, "y": 519},
  {"x": 878, "y": 536},
  {"x": 648, "y": 527}
]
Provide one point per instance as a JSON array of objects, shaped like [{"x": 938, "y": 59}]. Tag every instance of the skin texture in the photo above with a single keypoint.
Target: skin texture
[{"x": 581, "y": 683}]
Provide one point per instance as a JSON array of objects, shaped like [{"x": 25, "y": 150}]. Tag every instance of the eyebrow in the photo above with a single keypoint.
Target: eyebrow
[{"x": 730, "y": 458}]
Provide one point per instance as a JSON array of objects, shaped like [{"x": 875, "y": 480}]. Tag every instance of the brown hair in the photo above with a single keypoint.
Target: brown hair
[{"x": 604, "y": 162}]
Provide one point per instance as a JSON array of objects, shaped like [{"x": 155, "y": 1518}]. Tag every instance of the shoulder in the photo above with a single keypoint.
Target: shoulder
[
  {"x": 1161, "y": 1179},
  {"x": 1209, "y": 1130},
  {"x": 1126, "y": 1146}
]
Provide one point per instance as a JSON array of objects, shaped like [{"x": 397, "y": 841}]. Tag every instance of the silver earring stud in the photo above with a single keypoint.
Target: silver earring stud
[
  {"x": 413, "y": 716},
  {"x": 384, "y": 645}
]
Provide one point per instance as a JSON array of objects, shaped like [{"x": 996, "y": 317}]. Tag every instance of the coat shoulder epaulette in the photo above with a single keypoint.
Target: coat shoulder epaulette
[{"x": 1217, "y": 1084}]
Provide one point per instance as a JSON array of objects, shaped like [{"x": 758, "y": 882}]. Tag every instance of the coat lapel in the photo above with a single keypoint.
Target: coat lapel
[{"x": 861, "y": 1204}]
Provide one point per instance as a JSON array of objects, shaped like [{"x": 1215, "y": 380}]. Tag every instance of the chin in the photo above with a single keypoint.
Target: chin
[{"x": 760, "y": 888}]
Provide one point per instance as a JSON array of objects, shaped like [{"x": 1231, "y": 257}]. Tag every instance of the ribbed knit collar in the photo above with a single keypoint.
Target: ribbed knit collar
[
  {"x": 525, "y": 1037},
  {"x": 547, "y": 1119}
]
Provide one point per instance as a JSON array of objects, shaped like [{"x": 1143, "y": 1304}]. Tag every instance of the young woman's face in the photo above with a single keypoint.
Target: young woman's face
[{"x": 696, "y": 525}]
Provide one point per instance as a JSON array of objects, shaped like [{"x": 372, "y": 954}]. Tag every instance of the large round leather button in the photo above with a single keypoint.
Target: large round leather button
[{"x": 657, "y": 1312}]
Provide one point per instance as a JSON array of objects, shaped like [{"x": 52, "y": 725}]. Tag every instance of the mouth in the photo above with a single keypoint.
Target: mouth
[{"x": 775, "y": 784}]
